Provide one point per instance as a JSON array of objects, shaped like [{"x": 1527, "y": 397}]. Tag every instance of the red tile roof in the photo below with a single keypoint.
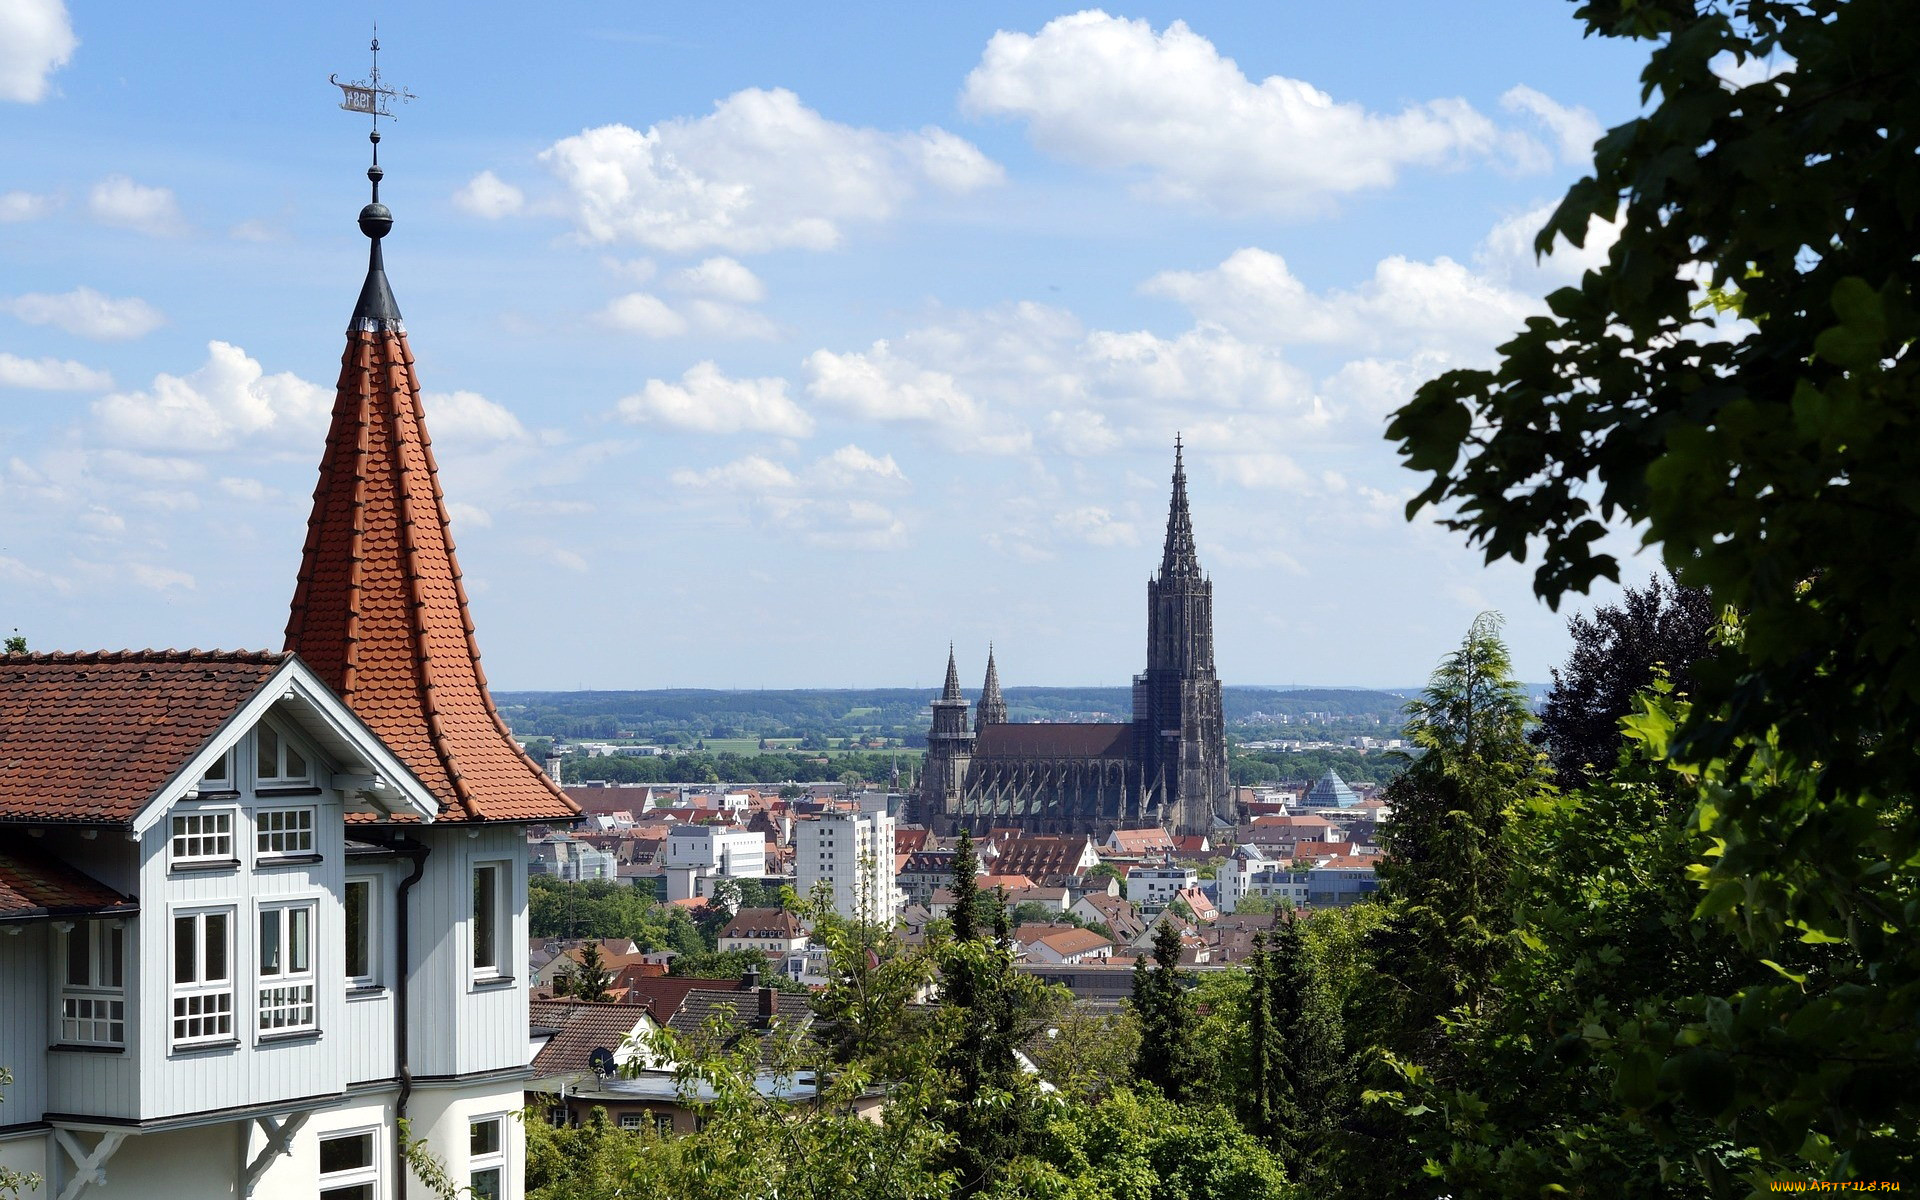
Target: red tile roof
[
  {"x": 583, "y": 1027},
  {"x": 379, "y": 611},
  {"x": 33, "y": 885},
  {"x": 91, "y": 737}
]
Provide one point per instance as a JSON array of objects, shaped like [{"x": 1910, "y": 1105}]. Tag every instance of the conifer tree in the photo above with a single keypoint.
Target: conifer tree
[
  {"x": 1306, "y": 1080},
  {"x": 1167, "y": 1058},
  {"x": 591, "y": 981}
]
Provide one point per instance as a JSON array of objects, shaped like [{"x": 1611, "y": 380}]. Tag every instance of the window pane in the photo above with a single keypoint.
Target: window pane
[
  {"x": 266, "y": 745},
  {"x": 483, "y": 1137},
  {"x": 183, "y": 946},
  {"x": 356, "y": 1191},
  {"x": 346, "y": 1153},
  {"x": 270, "y": 942},
  {"x": 357, "y": 947},
  {"x": 217, "y": 773},
  {"x": 484, "y": 906},
  {"x": 77, "y": 974},
  {"x": 296, "y": 765},
  {"x": 114, "y": 940},
  {"x": 486, "y": 1184},
  {"x": 297, "y": 938},
  {"x": 216, "y": 955}
]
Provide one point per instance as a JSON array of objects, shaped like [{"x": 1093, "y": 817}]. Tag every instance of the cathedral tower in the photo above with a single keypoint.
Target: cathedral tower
[
  {"x": 993, "y": 706},
  {"x": 949, "y": 751},
  {"x": 1179, "y": 724}
]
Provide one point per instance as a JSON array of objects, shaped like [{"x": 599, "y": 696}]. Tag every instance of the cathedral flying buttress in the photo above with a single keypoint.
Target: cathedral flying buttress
[{"x": 1167, "y": 766}]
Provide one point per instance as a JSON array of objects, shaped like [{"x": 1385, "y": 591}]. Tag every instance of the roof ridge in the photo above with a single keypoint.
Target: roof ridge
[{"x": 146, "y": 656}]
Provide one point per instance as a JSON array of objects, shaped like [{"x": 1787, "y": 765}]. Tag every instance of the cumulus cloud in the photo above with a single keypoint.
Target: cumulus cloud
[
  {"x": 36, "y": 39},
  {"x": 1112, "y": 93},
  {"x": 1574, "y": 129},
  {"x": 829, "y": 502},
  {"x": 120, "y": 202},
  {"x": 469, "y": 416},
  {"x": 226, "y": 402},
  {"x": 722, "y": 278},
  {"x": 650, "y": 316},
  {"x": 1096, "y": 526},
  {"x": 707, "y": 401},
  {"x": 51, "y": 374},
  {"x": 17, "y": 205},
  {"x": 489, "y": 197},
  {"x": 88, "y": 314},
  {"x": 761, "y": 172},
  {"x": 880, "y": 385},
  {"x": 1506, "y": 253},
  {"x": 645, "y": 314}
]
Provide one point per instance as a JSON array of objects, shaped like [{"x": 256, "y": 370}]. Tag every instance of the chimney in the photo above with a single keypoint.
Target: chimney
[
  {"x": 769, "y": 1006},
  {"x": 751, "y": 979}
]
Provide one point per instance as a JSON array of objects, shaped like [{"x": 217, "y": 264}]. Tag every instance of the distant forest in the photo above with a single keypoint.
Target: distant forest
[{"x": 681, "y": 715}]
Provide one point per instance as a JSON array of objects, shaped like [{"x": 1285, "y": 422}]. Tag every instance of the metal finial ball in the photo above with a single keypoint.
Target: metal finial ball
[
  {"x": 375, "y": 173},
  {"x": 374, "y": 137},
  {"x": 376, "y": 220}
]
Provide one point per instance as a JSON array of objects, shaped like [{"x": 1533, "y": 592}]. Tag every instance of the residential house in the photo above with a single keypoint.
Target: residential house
[
  {"x": 1152, "y": 888},
  {"x": 1139, "y": 843},
  {"x": 1120, "y": 917},
  {"x": 773, "y": 931},
  {"x": 1068, "y": 946}
]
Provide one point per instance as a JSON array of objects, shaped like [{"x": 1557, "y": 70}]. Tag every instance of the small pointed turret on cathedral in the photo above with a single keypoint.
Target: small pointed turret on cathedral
[
  {"x": 949, "y": 750},
  {"x": 993, "y": 706},
  {"x": 379, "y": 611},
  {"x": 1178, "y": 558}
]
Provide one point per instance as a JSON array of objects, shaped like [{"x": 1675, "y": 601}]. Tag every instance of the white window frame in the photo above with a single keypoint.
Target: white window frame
[
  {"x": 290, "y": 829},
  {"x": 93, "y": 1010},
  {"x": 492, "y": 1160},
  {"x": 227, "y": 764},
  {"x": 334, "y": 1183},
  {"x": 203, "y": 999},
  {"x": 633, "y": 1122},
  {"x": 203, "y": 837},
  {"x": 370, "y": 918},
  {"x": 494, "y": 947},
  {"x": 284, "y": 991},
  {"x": 283, "y": 741}
]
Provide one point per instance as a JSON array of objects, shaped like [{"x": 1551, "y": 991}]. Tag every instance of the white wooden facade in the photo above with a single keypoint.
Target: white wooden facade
[{"x": 237, "y": 1034}]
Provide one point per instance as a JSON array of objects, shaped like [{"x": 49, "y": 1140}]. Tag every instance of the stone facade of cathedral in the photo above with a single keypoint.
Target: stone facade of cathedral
[{"x": 1167, "y": 766}]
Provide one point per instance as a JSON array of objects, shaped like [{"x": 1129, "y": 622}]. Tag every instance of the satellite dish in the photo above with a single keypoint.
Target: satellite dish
[{"x": 601, "y": 1060}]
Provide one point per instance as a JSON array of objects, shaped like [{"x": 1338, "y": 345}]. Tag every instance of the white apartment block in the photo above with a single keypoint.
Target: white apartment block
[
  {"x": 1152, "y": 888},
  {"x": 853, "y": 853},
  {"x": 696, "y": 855}
]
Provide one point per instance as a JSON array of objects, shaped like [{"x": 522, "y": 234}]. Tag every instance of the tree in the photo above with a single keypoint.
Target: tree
[
  {"x": 1661, "y": 628},
  {"x": 1304, "y": 1079},
  {"x": 1167, "y": 1057},
  {"x": 1772, "y": 462},
  {"x": 15, "y": 644},
  {"x": 591, "y": 980}
]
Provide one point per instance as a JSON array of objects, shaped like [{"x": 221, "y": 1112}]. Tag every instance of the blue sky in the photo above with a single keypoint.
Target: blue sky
[{"x": 777, "y": 345}]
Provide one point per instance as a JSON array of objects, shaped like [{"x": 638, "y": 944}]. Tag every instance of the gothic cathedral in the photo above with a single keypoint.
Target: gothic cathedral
[{"x": 1168, "y": 766}]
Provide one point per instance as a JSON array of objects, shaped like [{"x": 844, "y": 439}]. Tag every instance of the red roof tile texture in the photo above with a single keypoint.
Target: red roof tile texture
[
  {"x": 91, "y": 737},
  {"x": 33, "y": 885},
  {"x": 379, "y": 611}
]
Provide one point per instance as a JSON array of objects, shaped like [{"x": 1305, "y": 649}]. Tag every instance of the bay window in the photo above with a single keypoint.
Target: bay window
[{"x": 93, "y": 1005}]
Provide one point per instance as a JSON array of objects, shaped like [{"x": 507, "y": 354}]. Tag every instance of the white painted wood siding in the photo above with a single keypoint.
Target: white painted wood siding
[{"x": 459, "y": 1026}]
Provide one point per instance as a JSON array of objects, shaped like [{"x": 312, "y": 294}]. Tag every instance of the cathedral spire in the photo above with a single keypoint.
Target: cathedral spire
[
  {"x": 952, "y": 690},
  {"x": 993, "y": 706},
  {"x": 1178, "y": 559},
  {"x": 379, "y": 611}
]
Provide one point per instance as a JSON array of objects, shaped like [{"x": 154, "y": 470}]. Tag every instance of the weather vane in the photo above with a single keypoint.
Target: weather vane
[{"x": 369, "y": 95}]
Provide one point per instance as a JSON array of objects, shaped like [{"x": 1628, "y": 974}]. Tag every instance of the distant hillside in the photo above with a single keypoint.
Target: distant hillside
[{"x": 894, "y": 712}]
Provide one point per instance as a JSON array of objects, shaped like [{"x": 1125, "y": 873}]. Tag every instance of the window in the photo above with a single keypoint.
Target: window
[
  {"x": 202, "y": 977},
  {"x": 286, "y": 968},
  {"x": 663, "y": 1124},
  {"x": 283, "y": 831},
  {"x": 486, "y": 1158},
  {"x": 489, "y": 920},
  {"x": 631, "y": 1120},
  {"x": 348, "y": 1168},
  {"x": 93, "y": 1007},
  {"x": 275, "y": 760},
  {"x": 200, "y": 837},
  {"x": 219, "y": 776},
  {"x": 359, "y": 932}
]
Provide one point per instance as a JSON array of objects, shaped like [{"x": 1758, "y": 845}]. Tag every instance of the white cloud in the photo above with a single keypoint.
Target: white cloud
[
  {"x": 707, "y": 401},
  {"x": 648, "y": 315},
  {"x": 1264, "y": 470},
  {"x": 720, "y": 319},
  {"x": 468, "y": 516},
  {"x": 1109, "y": 92},
  {"x": 25, "y": 206},
  {"x": 762, "y": 171},
  {"x": 36, "y": 39},
  {"x": 469, "y": 416},
  {"x": 252, "y": 491},
  {"x": 820, "y": 502},
  {"x": 851, "y": 467},
  {"x": 89, "y": 314},
  {"x": 1574, "y": 129},
  {"x": 1506, "y": 253},
  {"x": 51, "y": 374},
  {"x": 227, "y": 401},
  {"x": 160, "y": 578},
  {"x": 1096, "y": 526},
  {"x": 879, "y": 385},
  {"x": 645, "y": 314},
  {"x": 1254, "y": 294},
  {"x": 754, "y": 473},
  {"x": 489, "y": 197},
  {"x": 256, "y": 230},
  {"x": 1740, "y": 73},
  {"x": 722, "y": 278},
  {"x": 120, "y": 202}
]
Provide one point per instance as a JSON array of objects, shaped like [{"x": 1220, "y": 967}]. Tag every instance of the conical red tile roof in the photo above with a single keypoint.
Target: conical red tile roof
[{"x": 379, "y": 612}]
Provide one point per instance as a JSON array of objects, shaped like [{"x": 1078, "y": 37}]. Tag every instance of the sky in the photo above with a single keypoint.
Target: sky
[{"x": 775, "y": 345}]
